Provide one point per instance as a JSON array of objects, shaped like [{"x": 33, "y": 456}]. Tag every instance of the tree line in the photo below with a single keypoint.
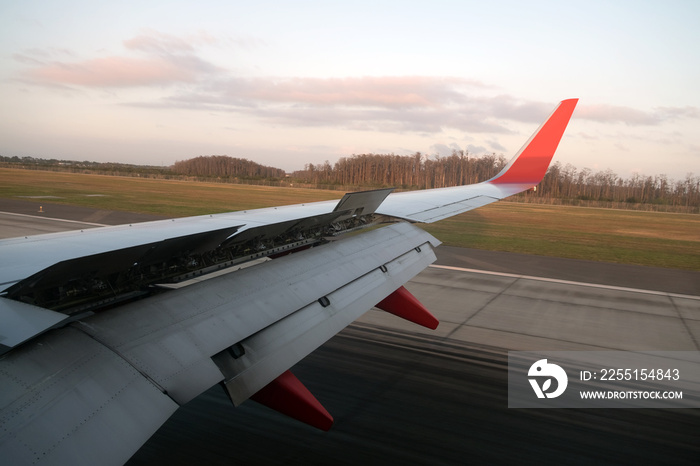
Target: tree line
[
  {"x": 561, "y": 184},
  {"x": 565, "y": 183},
  {"x": 222, "y": 166},
  {"x": 416, "y": 171},
  {"x": 74, "y": 166},
  {"x": 568, "y": 182}
]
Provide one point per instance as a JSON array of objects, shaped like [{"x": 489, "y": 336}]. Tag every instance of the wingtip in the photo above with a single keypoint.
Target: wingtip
[
  {"x": 531, "y": 162},
  {"x": 569, "y": 104}
]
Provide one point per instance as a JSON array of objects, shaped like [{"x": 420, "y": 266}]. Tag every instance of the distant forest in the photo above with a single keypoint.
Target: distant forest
[
  {"x": 561, "y": 185},
  {"x": 406, "y": 172},
  {"x": 225, "y": 167}
]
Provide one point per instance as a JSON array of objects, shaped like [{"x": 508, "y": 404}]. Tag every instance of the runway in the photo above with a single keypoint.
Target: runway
[
  {"x": 403, "y": 394},
  {"x": 398, "y": 399}
]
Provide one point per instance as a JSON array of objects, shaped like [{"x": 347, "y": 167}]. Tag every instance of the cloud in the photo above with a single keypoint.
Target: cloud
[
  {"x": 615, "y": 114},
  {"x": 507, "y": 107},
  {"x": 27, "y": 59},
  {"x": 161, "y": 44},
  {"x": 157, "y": 42},
  {"x": 472, "y": 149},
  {"x": 165, "y": 59},
  {"x": 419, "y": 104},
  {"x": 39, "y": 57},
  {"x": 670, "y": 113},
  {"x": 443, "y": 150},
  {"x": 496, "y": 146},
  {"x": 588, "y": 136},
  {"x": 395, "y": 103},
  {"x": 385, "y": 92},
  {"x": 112, "y": 72},
  {"x": 356, "y": 92},
  {"x": 384, "y": 103},
  {"x": 634, "y": 117}
]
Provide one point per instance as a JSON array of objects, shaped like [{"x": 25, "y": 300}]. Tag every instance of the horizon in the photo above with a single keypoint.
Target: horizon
[{"x": 568, "y": 166}]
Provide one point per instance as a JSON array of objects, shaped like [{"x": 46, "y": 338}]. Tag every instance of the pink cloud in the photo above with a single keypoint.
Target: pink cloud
[
  {"x": 388, "y": 103},
  {"x": 386, "y": 92},
  {"x": 165, "y": 59},
  {"x": 112, "y": 72}
]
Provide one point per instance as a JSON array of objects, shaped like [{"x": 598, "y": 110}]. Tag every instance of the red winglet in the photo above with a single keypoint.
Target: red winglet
[
  {"x": 530, "y": 164},
  {"x": 403, "y": 304},
  {"x": 287, "y": 395}
]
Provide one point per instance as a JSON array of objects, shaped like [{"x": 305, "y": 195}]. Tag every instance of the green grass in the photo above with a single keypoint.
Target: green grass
[
  {"x": 642, "y": 238},
  {"x": 171, "y": 198}
]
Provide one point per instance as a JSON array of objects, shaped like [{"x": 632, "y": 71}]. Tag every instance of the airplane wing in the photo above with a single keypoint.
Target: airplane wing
[{"x": 105, "y": 332}]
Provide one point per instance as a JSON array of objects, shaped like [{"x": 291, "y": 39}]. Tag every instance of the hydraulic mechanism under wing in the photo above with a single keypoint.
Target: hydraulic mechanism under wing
[{"x": 105, "y": 332}]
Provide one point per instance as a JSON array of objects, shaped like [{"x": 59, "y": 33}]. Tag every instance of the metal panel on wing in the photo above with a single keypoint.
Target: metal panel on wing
[
  {"x": 271, "y": 351},
  {"x": 363, "y": 202},
  {"x": 66, "y": 399},
  {"x": 172, "y": 337},
  {"x": 21, "y": 321},
  {"x": 442, "y": 212}
]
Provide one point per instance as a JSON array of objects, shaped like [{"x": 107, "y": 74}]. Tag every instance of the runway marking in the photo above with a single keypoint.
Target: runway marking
[
  {"x": 55, "y": 219},
  {"x": 567, "y": 282}
]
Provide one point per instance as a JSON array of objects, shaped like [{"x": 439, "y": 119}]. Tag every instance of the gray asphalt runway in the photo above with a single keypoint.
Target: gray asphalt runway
[
  {"x": 402, "y": 394},
  {"x": 631, "y": 276},
  {"x": 402, "y": 400}
]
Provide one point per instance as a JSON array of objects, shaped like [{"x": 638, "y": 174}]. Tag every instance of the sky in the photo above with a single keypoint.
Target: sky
[{"x": 296, "y": 82}]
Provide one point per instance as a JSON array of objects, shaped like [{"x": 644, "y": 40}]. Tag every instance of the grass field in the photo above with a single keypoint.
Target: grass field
[
  {"x": 642, "y": 238},
  {"x": 172, "y": 198}
]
